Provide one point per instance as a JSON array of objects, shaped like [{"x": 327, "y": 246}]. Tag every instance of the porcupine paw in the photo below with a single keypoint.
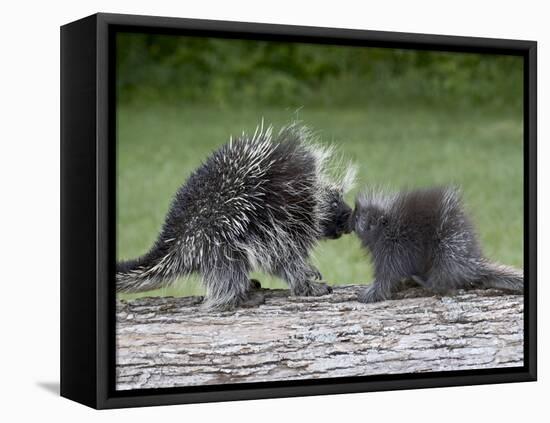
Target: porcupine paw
[
  {"x": 253, "y": 298},
  {"x": 314, "y": 274},
  {"x": 255, "y": 284},
  {"x": 313, "y": 289},
  {"x": 368, "y": 295}
]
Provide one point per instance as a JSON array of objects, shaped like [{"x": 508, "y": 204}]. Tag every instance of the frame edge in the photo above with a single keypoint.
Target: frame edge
[{"x": 78, "y": 215}]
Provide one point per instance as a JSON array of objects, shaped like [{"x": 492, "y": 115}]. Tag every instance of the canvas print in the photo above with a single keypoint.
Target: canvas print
[{"x": 297, "y": 211}]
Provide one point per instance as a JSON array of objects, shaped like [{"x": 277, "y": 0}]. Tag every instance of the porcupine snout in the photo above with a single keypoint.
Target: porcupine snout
[{"x": 342, "y": 219}]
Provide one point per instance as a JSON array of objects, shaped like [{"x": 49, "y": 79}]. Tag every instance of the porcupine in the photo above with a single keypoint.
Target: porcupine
[
  {"x": 257, "y": 203},
  {"x": 425, "y": 236}
]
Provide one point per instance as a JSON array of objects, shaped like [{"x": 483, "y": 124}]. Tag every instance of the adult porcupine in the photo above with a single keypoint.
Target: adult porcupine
[
  {"x": 259, "y": 202},
  {"x": 424, "y": 235}
]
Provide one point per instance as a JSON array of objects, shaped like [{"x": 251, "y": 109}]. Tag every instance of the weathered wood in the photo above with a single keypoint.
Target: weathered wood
[{"x": 166, "y": 342}]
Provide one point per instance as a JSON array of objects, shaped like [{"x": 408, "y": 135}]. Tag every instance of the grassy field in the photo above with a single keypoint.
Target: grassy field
[{"x": 394, "y": 147}]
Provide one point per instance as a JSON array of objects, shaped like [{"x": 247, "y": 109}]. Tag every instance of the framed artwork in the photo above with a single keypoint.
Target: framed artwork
[{"x": 257, "y": 211}]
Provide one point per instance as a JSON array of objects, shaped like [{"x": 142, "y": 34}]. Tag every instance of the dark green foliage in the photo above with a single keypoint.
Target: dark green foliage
[{"x": 234, "y": 73}]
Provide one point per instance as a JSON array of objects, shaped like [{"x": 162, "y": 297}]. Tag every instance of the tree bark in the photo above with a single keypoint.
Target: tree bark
[{"x": 169, "y": 342}]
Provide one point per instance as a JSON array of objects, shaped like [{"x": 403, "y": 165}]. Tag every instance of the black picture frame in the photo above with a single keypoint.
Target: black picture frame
[{"x": 88, "y": 200}]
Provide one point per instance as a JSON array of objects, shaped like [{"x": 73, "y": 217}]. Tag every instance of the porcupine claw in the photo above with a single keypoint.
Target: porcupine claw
[{"x": 315, "y": 275}]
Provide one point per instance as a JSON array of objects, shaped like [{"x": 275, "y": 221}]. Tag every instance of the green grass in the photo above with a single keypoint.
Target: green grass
[{"x": 394, "y": 147}]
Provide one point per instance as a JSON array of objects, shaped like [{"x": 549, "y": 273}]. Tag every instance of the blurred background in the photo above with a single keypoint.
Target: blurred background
[{"x": 407, "y": 118}]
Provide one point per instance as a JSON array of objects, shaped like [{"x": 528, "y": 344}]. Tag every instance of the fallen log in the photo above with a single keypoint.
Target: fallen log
[{"x": 168, "y": 342}]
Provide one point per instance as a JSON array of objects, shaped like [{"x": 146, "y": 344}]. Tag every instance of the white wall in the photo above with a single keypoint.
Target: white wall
[{"x": 29, "y": 166}]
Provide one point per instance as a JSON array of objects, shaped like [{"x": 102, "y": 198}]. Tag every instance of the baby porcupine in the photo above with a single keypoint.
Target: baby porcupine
[
  {"x": 424, "y": 235},
  {"x": 259, "y": 202}
]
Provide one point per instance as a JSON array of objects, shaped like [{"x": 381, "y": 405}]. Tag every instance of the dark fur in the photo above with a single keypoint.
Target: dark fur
[
  {"x": 255, "y": 203},
  {"x": 426, "y": 236}
]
